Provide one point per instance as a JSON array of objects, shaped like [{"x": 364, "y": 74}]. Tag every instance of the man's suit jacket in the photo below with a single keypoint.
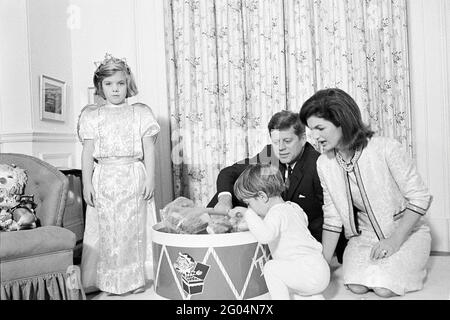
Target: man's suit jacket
[{"x": 304, "y": 186}]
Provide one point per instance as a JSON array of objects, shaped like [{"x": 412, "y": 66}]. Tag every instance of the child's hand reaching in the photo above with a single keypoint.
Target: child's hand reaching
[
  {"x": 149, "y": 188},
  {"x": 237, "y": 212},
  {"x": 89, "y": 194}
]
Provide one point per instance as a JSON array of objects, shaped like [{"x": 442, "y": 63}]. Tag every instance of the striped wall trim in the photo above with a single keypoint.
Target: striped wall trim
[
  {"x": 351, "y": 213},
  {"x": 332, "y": 228},
  {"x": 367, "y": 205}
]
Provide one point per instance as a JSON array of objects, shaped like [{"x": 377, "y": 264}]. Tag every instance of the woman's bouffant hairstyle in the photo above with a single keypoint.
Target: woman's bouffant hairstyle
[
  {"x": 109, "y": 67},
  {"x": 256, "y": 178},
  {"x": 338, "y": 107},
  {"x": 284, "y": 120}
]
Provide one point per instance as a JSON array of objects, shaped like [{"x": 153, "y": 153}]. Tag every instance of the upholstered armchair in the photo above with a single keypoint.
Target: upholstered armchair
[{"x": 37, "y": 264}]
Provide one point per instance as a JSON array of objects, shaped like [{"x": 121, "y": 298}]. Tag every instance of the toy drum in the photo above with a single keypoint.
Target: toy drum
[{"x": 225, "y": 266}]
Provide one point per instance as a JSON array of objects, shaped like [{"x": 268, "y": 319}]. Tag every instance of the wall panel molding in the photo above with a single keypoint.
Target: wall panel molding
[
  {"x": 59, "y": 160},
  {"x": 37, "y": 137},
  {"x": 445, "y": 18},
  {"x": 429, "y": 44},
  {"x": 151, "y": 74},
  {"x": 57, "y": 149}
]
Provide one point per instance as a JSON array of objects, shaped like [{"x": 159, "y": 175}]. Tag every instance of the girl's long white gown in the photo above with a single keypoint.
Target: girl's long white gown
[{"x": 117, "y": 255}]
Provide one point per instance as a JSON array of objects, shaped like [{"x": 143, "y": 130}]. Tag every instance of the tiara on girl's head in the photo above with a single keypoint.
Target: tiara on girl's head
[{"x": 109, "y": 58}]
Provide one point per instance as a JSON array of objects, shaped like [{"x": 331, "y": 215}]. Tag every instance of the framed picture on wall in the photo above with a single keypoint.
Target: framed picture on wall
[{"x": 52, "y": 99}]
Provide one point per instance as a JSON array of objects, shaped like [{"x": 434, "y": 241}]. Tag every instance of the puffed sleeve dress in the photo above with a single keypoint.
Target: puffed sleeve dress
[{"x": 116, "y": 254}]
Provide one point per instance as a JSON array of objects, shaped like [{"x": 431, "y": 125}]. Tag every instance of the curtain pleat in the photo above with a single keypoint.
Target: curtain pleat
[{"x": 232, "y": 64}]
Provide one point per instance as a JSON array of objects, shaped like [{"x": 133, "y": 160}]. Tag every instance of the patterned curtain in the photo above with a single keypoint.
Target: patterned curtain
[
  {"x": 358, "y": 46},
  {"x": 234, "y": 63}
]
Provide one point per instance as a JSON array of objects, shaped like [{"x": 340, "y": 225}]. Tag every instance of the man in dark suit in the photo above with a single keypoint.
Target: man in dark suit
[{"x": 296, "y": 160}]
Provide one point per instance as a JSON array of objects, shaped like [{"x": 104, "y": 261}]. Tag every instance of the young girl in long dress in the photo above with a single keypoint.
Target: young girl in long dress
[{"x": 118, "y": 181}]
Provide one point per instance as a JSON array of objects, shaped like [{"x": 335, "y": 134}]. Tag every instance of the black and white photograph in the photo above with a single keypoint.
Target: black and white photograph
[
  {"x": 225, "y": 155},
  {"x": 53, "y": 99}
]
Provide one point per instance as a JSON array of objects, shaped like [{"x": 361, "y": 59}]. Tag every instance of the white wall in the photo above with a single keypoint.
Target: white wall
[
  {"x": 15, "y": 94},
  {"x": 152, "y": 78},
  {"x": 29, "y": 49},
  {"x": 98, "y": 27},
  {"x": 62, "y": 39},
  {"x": 51, "y": 55},
  {"x": 429, "y": 32}
]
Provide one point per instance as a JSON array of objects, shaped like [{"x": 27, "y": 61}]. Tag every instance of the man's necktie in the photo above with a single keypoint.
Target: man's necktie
[{"x": 289, "y": 173}]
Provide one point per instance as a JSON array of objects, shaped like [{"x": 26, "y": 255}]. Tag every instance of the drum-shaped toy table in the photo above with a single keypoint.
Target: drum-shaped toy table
[{"x": 225, "y": 266}]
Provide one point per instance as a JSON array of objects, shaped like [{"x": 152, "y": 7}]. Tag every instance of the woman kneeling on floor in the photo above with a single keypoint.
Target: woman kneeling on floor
[{"x": 372, "y": 189}]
